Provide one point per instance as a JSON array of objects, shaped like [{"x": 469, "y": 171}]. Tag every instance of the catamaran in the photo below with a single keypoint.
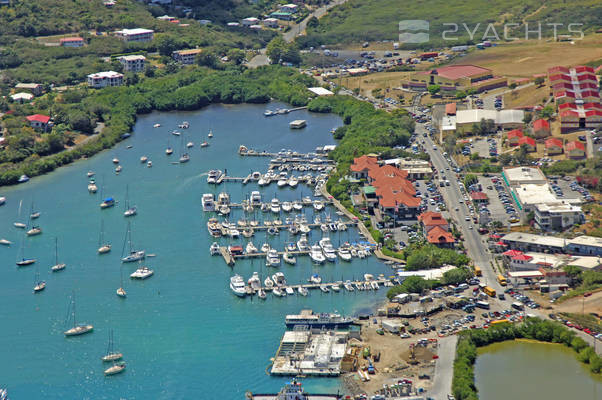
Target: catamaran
[
  {"x": 57, "y": 266},
  {"x": 133, "y": 255},
  {"x": 111, "y": 355},
  {"x": 142, "y": 272},
  {"x": 78, "y": 329}
]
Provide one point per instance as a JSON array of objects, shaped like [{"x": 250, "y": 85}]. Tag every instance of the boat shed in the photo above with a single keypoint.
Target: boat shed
[{"x": 320, "y": 91}]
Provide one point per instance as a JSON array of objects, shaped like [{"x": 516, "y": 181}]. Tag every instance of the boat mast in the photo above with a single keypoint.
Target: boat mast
[
  {"x": 56, "y": 250},
  {"x": 127, "y": 197},
  {"x": 101, "y": 236}
]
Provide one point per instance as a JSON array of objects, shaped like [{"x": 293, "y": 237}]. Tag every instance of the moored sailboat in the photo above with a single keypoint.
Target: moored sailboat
[
  {"x": 77, "y": 329},
  {"x": 133, "y": 255},
  {"x": 57, "y": 266},
  {"x": 103, "y": 247},
  {"x": 111, "y": 355}
]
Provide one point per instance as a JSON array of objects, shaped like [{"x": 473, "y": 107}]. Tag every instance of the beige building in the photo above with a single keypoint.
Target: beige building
[
  {"x": 186, "y": 57},
  {"x": 133, "y": 63}
]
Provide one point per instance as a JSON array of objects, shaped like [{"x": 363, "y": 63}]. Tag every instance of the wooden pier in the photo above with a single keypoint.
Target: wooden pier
[{"x": 227, "y": 256}]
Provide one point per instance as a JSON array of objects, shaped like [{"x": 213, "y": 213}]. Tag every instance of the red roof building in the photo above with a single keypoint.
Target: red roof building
[
  {"x": 362, "y": 165},
  {"x": 529, "y": 142},
  {"x": 454, "y": 72},
  {"x": 450, "y": 109},
  {"x": 440, "y": 237},
  {"x": 38, "y": 121},
  {"x": 514, "y": 136},
  {"x": 72, "y": 42},
  {"x": 575, "y": 149},
  {"x": 431, "y": 219},
  {"x": 541, "y": 128},
  {"x": 479, "y": 197},
  {"x": 512, "y": 253},
  {"x": 553, "y": 146},
  {"x": 522, "y": 258}
]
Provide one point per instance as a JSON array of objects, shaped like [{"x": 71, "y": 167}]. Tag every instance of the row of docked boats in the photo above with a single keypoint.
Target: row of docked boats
[{"x": 223, "y": 204}]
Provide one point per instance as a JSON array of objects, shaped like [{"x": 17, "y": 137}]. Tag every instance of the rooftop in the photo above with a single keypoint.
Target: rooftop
[
  {"x": 558, "y": 208},
  {"x": 524, "y": 175},
  {"x": 431, "y": 218},
  {"x": 135, "y": 31},
  {"x": 531, "y": 193},
  {"x": 320, "y": 91},
  {"x": 458, "y": 71},
  {"x": 530, "y": 238},
  {"x": 133, "y": 57},
  {"x": 438, "y": 235},
  {"x": 105, "y": 74},
  {"x": 587, "y": 241}
]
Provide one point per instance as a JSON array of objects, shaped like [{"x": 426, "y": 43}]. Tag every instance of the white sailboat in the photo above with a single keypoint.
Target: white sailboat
[
  {"x": 132, "y": 255},
  {"x": 34, "y": 214},
  {"x": 121, "y": 291},
  {"x": 103, "y": 247},
  {"x": 5, "y": 242},
  {"x": 117, "y": 368},
  {"x": 77, "y": 329},
  {"x": 38, "y": 284},
  {"x": 111, "y": 355},
  {"x": 57, "y": 266},
  {"x": 129, "y": 211},
  {"x": 19, "y": 224}
]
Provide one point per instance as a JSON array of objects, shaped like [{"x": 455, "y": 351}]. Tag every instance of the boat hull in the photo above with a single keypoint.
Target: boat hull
[{"x": 79, "y": 330}]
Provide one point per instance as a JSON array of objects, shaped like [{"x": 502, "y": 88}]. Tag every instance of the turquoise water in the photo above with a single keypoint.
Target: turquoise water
[{"x": 182, "y": 332}]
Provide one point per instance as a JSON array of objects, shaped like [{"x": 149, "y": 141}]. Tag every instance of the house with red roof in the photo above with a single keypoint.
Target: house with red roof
[
  {"x": 72, "y": 42},
  {"x": 553, "y": 146},
  {"x": 431, "y": 219},
  {"x": 541, "y": 128},
  {"x": 514, "y": 136},
  {"x": 529, "y": 142},
  {"x": 450, "y": 109},
  {"x": 440, "y": 237},
  {"x": 479, "y": 197},
  {"x": 362, "y": 165},
  {"x": 39, "y": 121},
  {"x": 575, "y": 149}
]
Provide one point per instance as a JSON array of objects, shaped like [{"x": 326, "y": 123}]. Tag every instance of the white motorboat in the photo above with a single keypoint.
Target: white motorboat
[
  {"x": 254, "y": 282},
  {"x": 214, "y": 249},
  {"x": 324, "y": 288},
  {"x": 291, "y": 247},
  {"x": 251, "y": 249},
  {"x": 143, "y": 159},
  {"x": 287, "y": 206},
  {"x": 272, "y": 258},
  {"x": 142, "y": 273},
  {"x": 293, "y": 182},
  {"x": 275, "y": 206},
  {"x": 279, "y": 279},
  {"x": 324, "y": 228},
  {"x": 223, "y": 198},
  {"x": 149, "y": 164},
  {"x": 92, "y": 188},
  {"x": 176, "y": 133},
  {"x": 306, "y": 200},
  {"x": 90, "y": 174},
  {"x": 303, "y": 228},
  {"x": 328, "y": 249},
  {"x": 263, "y": 181},
  {"x": 156, "y": 125},
  {"x": 341, "y": 226},
  {"x": 189, "y": 144},
  {"x": 268, "y": 282},
  {"x": 289, "y": 290},
  {"x": 248, "y": 232},
  {"x": 278, "y": 292},
  {"x": 214, "y": 227},
  {"x": 303, "y": 244},
  {"x": 208, "y": 202},
  {"x": 19, "y": 225},
  {"x": 5, "y": 242},
  {"x": 169, "y": 151},
  {"x": 233, "y": 233},
  {"x": 297, "y": 206},
  {"x": 315, "y": 278},
  {"x": 115, "y": 160},
  {"x": 303, "y": 291},
  {"x": 344, "y": 253},
  {"x": 335, "y": 287},
  {"x": 316, "y": 254},
  {"x": 265, "y": 248},
  {"x": 374, "y": 285},
  {"x": 214, "y": 175},
  {"x": 282, "y": 183},
  {"x": 261, "y": 294},
  {"x": 318, "y": 205},
  {"x": 118, "y": 169},
  {"x": 289, "y": 258},
  {"x": 348, "y": 286},
  {"x": 210, "y": 134},
  {"x": 184, "y": 125},
  {"x": 255, "y": 198},
  {"x": 237, "y": 285}
]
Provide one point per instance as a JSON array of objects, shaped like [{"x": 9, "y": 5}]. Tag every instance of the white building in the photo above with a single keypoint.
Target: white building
[
  {"x": 136, "y": 35},
  {"x": 557, "y": 216},
  {"x": 320, "y": 91},
  {"x": 289, "y": 8},
  {"x": 104, "y": 79},
  {"x": 522, "y": 175},
  {"x": 133, "y": 63},
  {"x": 588, "y": 245},
  {"x": 503, "y": 119},
  {"x": 536, "y": 243},
  {"x": 270, "y": 23},
  {"x": 250, "y": 21},
  {"x": 21, "y": 97}
]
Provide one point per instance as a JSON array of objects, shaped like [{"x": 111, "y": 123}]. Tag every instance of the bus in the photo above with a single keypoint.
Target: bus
[
  {"x": 499, "y": 321},
  {"x": 489, "y": 291},
  {"x": 477, "y": 271},
  {"x": 502, "y": 280}
]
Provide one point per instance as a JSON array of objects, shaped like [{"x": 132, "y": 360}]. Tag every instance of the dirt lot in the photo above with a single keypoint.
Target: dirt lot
[
  {"x": 524, "y": 59},
  {"x": 528, "y": 96},
  {"x": 581, "y": 304},
  {"x": 382, "y": 80}
]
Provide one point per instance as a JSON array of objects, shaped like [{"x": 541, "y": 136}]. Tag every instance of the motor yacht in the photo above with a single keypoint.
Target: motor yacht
[
  {"x": 214, "y": 175},
  {"x": 289, "y": 258},
  {"x": 255, "y": 198},
  {"x": 328, "y": 249},
  {"x": 279, "y": 279},
  {"x": 214, "y": 249},
  {"x": 293, "y": 182},
  {"x": 268, "y": 282},
  {"x": 208, "y": 202},
  {"x": 297, "y": 206},
  {"x": 275, "y": 206},
  {"x": 316, "y": 254},
  {"x": 272, "y": 258},
  {"x": 344, "y": 253},
  {"x": 142, "y": 273},
  {"x": 318, "y": 205},
  {"x": 315, "y": 278},
  {"x": 251, "y": 249},
  {"x": 303, "y": 291},
  {"x": 237, "y": 285},
  {"x": 254, "y": 282},
  {"x": 287, "y": 206},
  {"x": 303, "y": 244}
]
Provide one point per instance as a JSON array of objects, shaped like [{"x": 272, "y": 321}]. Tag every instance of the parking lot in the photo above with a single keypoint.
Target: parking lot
[
  {"x": 486, "y": 147},
  {"x": 500, "y": 200},
  {"x": 566, "y": 189}
]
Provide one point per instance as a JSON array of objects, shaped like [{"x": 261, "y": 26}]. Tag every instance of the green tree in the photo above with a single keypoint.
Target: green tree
[
  {"x": 236, "y": 56},
  {"x": 433, "y": 89},
  {"x": 275, "y": 49},
  {"x": 313, "y": 22},
  {"x": 547, "y": 112},
  {"x": 539, "y": 81},
  {"x": 80, "y": 121},
  {"x": 207, "y": 59},
  {"x": 131, "y": 78},
  {"x": 456, "y": 276},
  {"x": 166, "y": 44},
  {"x": 512, "y": 85}
]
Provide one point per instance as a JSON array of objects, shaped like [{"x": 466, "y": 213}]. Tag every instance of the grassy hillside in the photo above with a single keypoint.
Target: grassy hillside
[{"x": 369, "y": 20}]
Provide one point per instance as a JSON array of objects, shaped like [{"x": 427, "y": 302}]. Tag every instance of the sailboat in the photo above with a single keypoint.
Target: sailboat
[
  {"x": 121, "y": 291},
  {"x": 57, "y": 266},
  {"x": 78, "y": 329},
  {"x": 168, "y": 150},
  {"x": 117, "y": 368},
  {"x": 102, "y": 246},
  {"x": 19, "y": 224},
  {"x": 111, "y": 355},
  {"x": 129, "y": 211},
  {"x": 38, "y": 284},
  {"x": 133, "y": 255},
  {"x": 24, "y": 261},
  {"x": 210, "y": 134},
  {"x": 34, "y": 214},
  {"x": 184, "y": 156}
]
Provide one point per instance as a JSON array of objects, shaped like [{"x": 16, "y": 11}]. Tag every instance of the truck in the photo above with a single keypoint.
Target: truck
[
  {"x": 489, "y": 291},
  {"x": 392, "y": 326},
  {"x": 477, "y": 271},
  {"x": 482, "y": 304},
  {"x": 501, "y": 280}
]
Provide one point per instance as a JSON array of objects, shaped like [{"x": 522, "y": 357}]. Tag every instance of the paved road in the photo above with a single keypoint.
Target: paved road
[{"x": 444, "y": 369}]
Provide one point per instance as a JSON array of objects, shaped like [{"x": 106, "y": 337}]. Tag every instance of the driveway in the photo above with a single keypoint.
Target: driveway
[{"x": 444, "y": 369}]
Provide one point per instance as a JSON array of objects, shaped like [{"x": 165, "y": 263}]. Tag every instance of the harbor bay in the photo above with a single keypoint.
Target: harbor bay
[{"x": 182, "y": 331}]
